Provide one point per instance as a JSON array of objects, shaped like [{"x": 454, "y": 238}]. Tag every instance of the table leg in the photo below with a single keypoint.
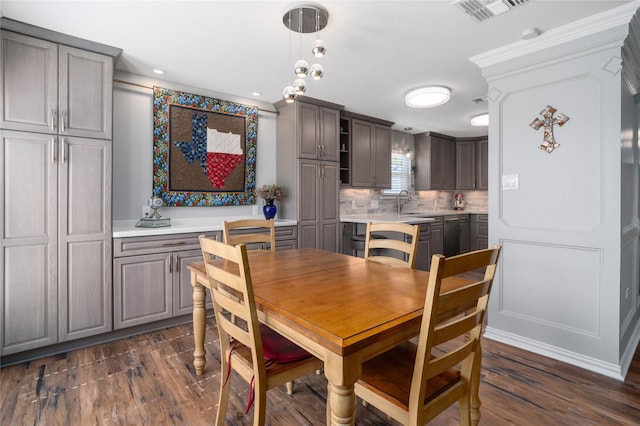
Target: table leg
[
  {"x": 341, "y": 374},
  {"x": 199, "y": 314}
]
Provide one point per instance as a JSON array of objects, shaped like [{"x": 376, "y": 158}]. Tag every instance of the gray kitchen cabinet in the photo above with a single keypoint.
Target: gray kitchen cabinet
[
  {"x": 55, "y": 182},
  {"x": 482, "y": 163},
  {"x": 479, "y": 235},
  {"x": 435, "y": 161},
  {"x": 464, "y": 233},
  {"x": 318, "y": 130},
  {"x": 345, "y": 151},
  {"x": 465, "y": 163},
  {"x": 370, "y": 154},
  {"x": 472, "y": 163},
  {"x": 319, "y": 221},
  {"x": 430, "y": 242},
  {"x": 310, "y": 176},
  {"x": 151, "y": 280},
  {"x": 51, "y": 88}
]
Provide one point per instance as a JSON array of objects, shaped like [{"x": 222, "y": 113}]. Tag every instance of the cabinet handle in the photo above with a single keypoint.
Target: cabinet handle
[
  {"x": 54, "y": 119},
  {"x": 175, "y": 243},
  {"x": 62, "y": 122},
  {"x": 63, "y": 150},
  {"x": 54, "y": 150},
  {"x": 319, "y": 151},
  {"x": 170, "y": 265}
]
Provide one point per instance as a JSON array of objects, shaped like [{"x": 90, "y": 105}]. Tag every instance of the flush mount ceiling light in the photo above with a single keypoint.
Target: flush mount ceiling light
[
  {"x": 304, "y": 19},
  {"x": 428, "y": 97},
  {"x": 481, "y": 120}
]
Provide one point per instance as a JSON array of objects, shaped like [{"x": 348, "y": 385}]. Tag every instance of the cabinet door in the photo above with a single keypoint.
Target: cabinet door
[
  {"x": 361, "y": 139},
  {"x": 28, "y": 235},
  {"x": 142, "y": 289},
  {"x": 84, "y": 245},
  {"x": 466, "y": 164},
  {"x": 436, "y": 239},
  {"x": 482, "y": 164},
  {"x": 29, "y": 85},
  {"x": 330, "y": 134},
  {"x": 423, "y": 251},
  {"x": 328, "y": 204},
  {"x": 464, "y": 233},
  {"x": 85, "y": 102},
  {"x": 448, "y": 161},
  {"x": 182, "y": 289},
  {"x": 382, "y": 157},
  {"x": 308, "y": 206},
  {"x": 308, "y": 131}
]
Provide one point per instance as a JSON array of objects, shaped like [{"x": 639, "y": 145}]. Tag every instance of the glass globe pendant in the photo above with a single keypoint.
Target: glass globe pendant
[
  {"x": 318, "y": 48},
  {"x": 301, "y": 68},
  {"x": 289, "y": 94},
  {"x": 300, "y": 86},
  {"x": 316, "y": 72}
]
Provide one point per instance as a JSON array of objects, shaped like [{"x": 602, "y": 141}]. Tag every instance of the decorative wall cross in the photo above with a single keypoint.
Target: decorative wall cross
[{"x": 549, "y": 143}]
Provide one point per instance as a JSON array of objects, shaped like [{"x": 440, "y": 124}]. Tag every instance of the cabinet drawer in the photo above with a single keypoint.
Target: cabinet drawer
[{"x": 159, "y": 243}]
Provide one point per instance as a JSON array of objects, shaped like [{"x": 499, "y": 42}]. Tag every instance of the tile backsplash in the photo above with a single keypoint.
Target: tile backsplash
[{"x": 361, "y": 201}]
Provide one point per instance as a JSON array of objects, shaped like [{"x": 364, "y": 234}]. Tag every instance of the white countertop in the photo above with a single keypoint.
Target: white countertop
[
  {"x": 127, "y": 228},
  {"x": 406, "y": 217}
]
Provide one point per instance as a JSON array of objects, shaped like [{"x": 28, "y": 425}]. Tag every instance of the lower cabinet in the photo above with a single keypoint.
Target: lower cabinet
[
  {"x": 464, "y": 233},
  {"x": 479, "y": 231},
  {"x": 151, "y": 280},
  {"x": 430, "y": 242}
]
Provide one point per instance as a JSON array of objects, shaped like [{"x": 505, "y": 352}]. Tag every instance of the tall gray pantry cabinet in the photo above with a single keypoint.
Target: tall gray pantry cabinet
[
  {"x": 55, "y": 184},
  {"x": 309, "y": 169}
]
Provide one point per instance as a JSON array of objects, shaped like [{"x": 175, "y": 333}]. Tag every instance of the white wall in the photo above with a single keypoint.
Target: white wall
[
  {"x": 563, "y": 266},
  {"x": 133, "y": 149}
]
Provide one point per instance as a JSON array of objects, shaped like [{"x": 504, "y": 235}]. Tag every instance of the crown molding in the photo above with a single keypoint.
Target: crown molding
[{"x": 573, "y": 31}]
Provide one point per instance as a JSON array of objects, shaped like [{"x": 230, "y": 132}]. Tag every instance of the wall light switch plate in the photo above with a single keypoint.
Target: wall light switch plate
[{"x": 510, "y": 182}]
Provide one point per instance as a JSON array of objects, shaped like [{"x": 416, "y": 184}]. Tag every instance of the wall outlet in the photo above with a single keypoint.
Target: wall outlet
[
  {"x": 146, "y": 211},
  {"x": 255, "y": 210}
]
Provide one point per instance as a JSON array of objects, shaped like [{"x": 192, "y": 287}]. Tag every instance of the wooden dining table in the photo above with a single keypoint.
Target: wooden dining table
[{"x": 342, "y": 309}]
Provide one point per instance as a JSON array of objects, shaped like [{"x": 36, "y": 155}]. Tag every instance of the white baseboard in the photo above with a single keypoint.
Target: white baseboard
[{"x": 573, "y": 358}]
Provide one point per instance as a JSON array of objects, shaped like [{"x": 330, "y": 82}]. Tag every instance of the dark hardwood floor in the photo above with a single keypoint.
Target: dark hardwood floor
[{"x": 149, "y": 380}]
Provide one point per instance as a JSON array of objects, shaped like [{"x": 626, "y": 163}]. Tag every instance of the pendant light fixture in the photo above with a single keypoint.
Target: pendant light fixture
[{"x": 304, "y": 19}]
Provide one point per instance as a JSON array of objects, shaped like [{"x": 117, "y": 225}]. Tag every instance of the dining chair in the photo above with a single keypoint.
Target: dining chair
[
  {"x": 413, "y": 383},
  {"x": 262, "y": 357},
  {"x": 252, "y": 236},
  {"x": 401, "y": 240}
]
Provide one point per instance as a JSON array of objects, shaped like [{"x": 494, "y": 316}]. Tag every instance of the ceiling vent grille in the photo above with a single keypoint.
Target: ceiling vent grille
[{"x": 481, "y": 10}]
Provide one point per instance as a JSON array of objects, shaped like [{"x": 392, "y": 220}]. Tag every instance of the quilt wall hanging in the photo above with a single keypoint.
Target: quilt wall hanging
[{"x": 204, "y": 150}]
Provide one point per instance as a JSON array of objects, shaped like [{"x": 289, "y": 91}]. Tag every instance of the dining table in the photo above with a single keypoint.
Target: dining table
[{"x": 342, "y": 309}]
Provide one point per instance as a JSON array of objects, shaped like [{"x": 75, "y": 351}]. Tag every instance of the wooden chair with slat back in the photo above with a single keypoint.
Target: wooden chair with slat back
[
  {"x": 414, "y": 383},
  {"x": 256, "y": 241},
  {"x": 382, "y": 249},
  {"x": 241, "y": 342}
]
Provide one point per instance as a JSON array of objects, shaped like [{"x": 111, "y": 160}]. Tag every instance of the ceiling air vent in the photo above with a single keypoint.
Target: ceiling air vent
[{"x": 481, "y": 10}]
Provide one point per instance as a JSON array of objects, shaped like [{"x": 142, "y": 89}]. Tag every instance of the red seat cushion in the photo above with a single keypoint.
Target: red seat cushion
[{"x": 279, "y": 349}]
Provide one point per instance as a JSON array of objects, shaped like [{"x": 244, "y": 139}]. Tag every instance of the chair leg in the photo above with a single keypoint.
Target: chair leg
[
  {"x": 223, "y": 401},
  {"x": 290, "y": 388},
  {"x": 464, "y": 407}
]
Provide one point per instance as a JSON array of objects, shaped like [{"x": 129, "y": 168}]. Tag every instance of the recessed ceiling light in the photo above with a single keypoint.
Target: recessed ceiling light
[
  {"x": 256, "y": 93},
  {"x": 481, "y": 120},
  {"x": 530, "y": 33},
  {"x": 428, "y": 97},
  {"x": 158, "y": 71}
]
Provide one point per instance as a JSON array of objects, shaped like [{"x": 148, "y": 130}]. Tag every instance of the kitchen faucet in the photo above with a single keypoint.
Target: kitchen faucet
[{"x": 399, "y": 202}]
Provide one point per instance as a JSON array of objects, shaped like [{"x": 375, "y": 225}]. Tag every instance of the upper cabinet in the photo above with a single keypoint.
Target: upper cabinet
[
  {"x": 472, "y": 163},
  {"x": 53, "y": 88},
  {"x": 482, "y": 163},
  {"x": 435, "y": 161},
  {"x": 318, "y": 131},
  {"x": 370, "y": 151}
]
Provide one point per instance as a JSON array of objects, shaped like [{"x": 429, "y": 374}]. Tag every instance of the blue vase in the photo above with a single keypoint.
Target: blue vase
[{"x": 269, "y": 209}]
